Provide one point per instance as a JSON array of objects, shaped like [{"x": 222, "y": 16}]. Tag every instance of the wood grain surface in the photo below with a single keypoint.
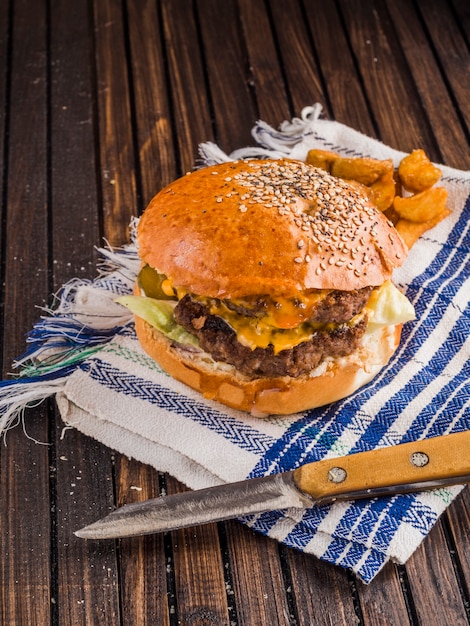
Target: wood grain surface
[{"x": 102, "y": 102}]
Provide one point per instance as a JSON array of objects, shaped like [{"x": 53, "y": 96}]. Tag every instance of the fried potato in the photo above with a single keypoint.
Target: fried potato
[
  {"x": 422, "y": 206},
  {"x": 392, "y": 215},
  {"x": 411, "y": 215},
  {"x": 411, "y": 231},
  {"x": 322, "y": 159},
  {"x": 417, "y": 173},
  {"x": 382, "y": 191},
  {"x": 364, "y": 170}
]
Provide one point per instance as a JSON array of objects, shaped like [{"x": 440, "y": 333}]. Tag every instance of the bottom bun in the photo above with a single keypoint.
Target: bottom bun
[{"x": 333, "y": 380}]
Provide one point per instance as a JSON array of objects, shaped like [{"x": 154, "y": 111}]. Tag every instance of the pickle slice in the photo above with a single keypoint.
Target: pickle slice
[{"x": 151, "y": 283}]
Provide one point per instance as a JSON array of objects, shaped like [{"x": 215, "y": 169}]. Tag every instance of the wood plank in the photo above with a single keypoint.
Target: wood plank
[
  {"x": 24, "y": 524},
  {"x": 431, "y": 84},
  {"x": 143, "y": 567},
  {"x": 303, "y": 78},
  {"x": 433, "y": 583},
  {"x": 317, "y": 587},
  {"x": 266, "y": 73},
  {"x": 458, "y": 516},
  {"x": 382, "y": 602},
  {"x": 388, "y": 84},
  {"x": 87, "y": 572},
  {"x": 343, "y": 89},
  {"x": 200, "y": 592},
  {"x": 116, "y": 141},
  {"x": 4, "y": 66},
  {"x": 227, "y": 75},
  {"x": 189, "y": 96},
  {"x": 156, "y": 149},
  {"x": 462, "y": 13},
  {"x": 24, "y": 465},
  {"x": 74, "y": 177},
  {"x": 143, "y": 583},
  {"x": 256, "y": 577},
  {"x": 452, "y": 50}
]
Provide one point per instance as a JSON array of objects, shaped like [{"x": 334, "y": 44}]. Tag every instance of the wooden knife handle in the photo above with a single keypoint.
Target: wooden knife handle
[{"x": 442, "y": 460}]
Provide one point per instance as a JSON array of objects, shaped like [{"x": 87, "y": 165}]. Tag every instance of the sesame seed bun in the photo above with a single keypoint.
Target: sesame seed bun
[
  {"x": 270, "y": 226},
  {"x": 249, "y": 249},
  {"x": 333, "y": 380}
]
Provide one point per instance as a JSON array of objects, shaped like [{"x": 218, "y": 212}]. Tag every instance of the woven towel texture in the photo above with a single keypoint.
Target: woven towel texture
[{"x": 119, "y": 396}]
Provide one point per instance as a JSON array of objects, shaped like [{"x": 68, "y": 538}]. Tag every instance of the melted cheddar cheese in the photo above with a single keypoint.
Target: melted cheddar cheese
[
  {"x": 260, "y": 332},
  {"x": 386, "y": 306},
  {"x": 290, "y": 312},
  {"x": 282, "y": 322}
]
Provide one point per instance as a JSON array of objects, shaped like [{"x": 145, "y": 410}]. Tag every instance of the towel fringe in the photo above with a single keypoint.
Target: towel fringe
[
  {"x": 19, "y": 394},
  {"x": 82, "y": 318},
  {"x": 272, "y": 143}
]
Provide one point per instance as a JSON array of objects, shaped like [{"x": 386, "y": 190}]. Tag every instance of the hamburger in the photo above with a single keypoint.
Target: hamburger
[{"x": 266, "y": 285}]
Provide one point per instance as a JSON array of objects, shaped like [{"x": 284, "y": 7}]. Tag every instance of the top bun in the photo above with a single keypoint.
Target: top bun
[{"x": 275, "y": 227}]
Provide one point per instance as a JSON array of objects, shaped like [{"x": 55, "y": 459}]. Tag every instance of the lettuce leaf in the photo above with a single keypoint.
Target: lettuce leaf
[
  {"x": 159, "y": 314},
  {"x": 388, "y": 306}
]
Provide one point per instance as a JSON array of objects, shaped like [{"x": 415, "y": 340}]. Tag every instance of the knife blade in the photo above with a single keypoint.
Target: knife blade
[{"x": 416, "y": 466}]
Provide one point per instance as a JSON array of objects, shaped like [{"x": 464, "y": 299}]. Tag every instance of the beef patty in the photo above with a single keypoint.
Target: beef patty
[
  {"x": 336, "y": 306},
  {"x": 220, "y": 340}
]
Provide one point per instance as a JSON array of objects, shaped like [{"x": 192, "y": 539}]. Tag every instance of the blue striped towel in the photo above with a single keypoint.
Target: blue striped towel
[{"x": 108, "y": 388}]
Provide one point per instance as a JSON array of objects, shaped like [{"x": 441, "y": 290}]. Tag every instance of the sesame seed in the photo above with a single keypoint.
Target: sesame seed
[{"x": 329, "y": 211}]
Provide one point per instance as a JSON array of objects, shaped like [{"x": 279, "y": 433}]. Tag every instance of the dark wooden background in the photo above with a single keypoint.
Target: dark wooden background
[{"x": 101, "y": 103}]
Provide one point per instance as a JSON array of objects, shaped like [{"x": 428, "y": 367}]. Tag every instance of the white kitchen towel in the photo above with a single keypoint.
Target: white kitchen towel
[{"x": 85, "y": 352}]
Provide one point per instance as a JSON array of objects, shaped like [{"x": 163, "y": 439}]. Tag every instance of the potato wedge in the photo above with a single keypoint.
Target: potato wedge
[
  {"x": 392, "y": 215},
  {"x": 364, "y": 170},
  {"x": 417, "y": 173},
  {"x": 383, "y": 191},
  {"x": 322, "y": 159},
  {"x": 422, "y": 206},
  {"x": 411, "y": 231}
]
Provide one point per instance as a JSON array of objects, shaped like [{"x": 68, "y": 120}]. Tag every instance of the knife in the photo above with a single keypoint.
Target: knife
[{"x": 416, "y": 466}]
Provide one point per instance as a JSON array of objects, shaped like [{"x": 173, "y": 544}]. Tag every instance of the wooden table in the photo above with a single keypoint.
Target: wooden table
[{"x": 103, "y": 102}]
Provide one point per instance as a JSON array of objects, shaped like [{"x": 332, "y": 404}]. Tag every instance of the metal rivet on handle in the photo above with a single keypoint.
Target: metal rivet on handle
[
  {"x": 337, "y": 475},
  {"x": 419, "y": 459}
]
